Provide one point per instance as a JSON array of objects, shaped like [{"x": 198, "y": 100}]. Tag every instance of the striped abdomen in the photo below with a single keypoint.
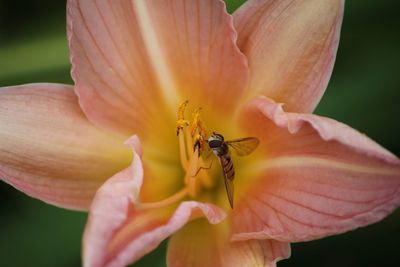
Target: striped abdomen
[{"x": 227, "y": 166}]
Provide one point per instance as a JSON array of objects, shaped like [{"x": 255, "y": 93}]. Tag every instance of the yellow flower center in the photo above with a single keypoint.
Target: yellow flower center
[
  {"x": 192, "y": 145},
  {"x": 196, "y": 149},
  {"x": 195, "y": 157}
]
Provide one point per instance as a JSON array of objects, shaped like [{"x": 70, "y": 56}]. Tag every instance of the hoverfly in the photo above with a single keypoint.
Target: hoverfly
[{"x": 220, "y": 147}]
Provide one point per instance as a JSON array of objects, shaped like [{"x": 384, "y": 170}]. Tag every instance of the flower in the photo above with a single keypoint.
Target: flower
[{"x": 134, "y": 64}]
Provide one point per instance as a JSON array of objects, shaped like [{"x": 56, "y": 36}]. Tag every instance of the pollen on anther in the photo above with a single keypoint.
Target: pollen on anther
[
  {"x": 197, "y": 124},
  {"x": 181, "y": 122}
]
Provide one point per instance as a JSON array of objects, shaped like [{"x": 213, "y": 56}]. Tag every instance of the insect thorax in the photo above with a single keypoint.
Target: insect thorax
[{"x": 221, "y": 150}]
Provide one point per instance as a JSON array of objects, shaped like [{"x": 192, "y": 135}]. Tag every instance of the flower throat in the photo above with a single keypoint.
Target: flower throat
[{"x": 195, "y": 147}]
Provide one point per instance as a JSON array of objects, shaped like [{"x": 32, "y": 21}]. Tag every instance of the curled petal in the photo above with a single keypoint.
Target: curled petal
[
  {"x": 316, "y": 177},
  {"x": 200, "y": 244},
  {"x": 49, "y": 150},
  {"x": 291, "y": 48},
  {"x": 119, "y": 232},
  {"x": 128, "y": 54}
]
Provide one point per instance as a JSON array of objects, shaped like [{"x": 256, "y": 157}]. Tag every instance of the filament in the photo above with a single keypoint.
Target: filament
[{"x": 182, "y": 150}]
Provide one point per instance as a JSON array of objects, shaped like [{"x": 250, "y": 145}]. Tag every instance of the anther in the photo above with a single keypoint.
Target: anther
[
  {"x": 197, "y": 124},
  {"x": 181, "y": 122},
  {"x": 192, "y": 135}
]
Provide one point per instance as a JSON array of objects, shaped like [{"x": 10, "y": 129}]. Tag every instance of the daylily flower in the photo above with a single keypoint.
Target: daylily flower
[{"x": 134, "y": 63}]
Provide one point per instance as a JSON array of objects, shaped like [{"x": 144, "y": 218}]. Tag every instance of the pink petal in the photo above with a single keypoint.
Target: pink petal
[
  {"x": 134, "y": 61},
  {"x": 49, "y": 150},
  {"x": 291, "y": 47},
  {"x": 317, "y": 177},
  {"x": 119, "y": 233},
  {"x": 200, "y": 244}
]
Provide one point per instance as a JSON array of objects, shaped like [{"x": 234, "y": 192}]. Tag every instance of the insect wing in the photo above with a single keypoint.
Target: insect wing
[
  {"x": 228, "y": 180},
  {"x": 229, "y": 190},
  {"x": 243, "y": 146}
]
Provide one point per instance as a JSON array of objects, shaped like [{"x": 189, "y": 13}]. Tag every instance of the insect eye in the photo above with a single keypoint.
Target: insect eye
[{"x": 215, "y": 143}]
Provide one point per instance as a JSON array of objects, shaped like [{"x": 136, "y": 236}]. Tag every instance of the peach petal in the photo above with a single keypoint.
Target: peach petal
[
  {"x": 317, "y": 177},
  {"x": 200, "y": 244},
  {"x": 118, "y": 232},
  {"x": 198, "y": 45},
  {"x": 291, "y": 48},
  {"x": 134, "y": 61},
  {"x": 49, "y": 150},
  {"x": 113, "y": 77}
]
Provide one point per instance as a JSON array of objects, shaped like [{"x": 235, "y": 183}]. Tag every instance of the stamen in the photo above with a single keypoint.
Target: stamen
[
  {"x": 194, "y": 163},
  {"x": 181, "y": 132},
  {"x": 205, "y": 178},
  {"x": 191, "y": 146},
  {"x": 198, "y": 143},
  {"x": 198, "y": 131},
  {"x": 181, "y": 122},
  {"x": 182, "y": 109},
  {"x": 182, "y": 151},
  {"x": 196, "y": 121},
  {"x": 197, "y": 124},
  {"x": 166, "y": 202},
  {"x": 190, "y": 177},
  {"x": 192, "y": 137},
  {"x": 189, "y": 141}
]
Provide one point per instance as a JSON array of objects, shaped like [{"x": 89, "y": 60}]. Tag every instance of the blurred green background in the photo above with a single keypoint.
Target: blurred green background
[{"x": 364, "y": 93}]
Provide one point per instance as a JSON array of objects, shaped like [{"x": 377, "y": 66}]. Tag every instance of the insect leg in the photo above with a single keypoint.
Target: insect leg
[
  {"x": 203, "y": 168},
  {"x": 208, "y": 154}
]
